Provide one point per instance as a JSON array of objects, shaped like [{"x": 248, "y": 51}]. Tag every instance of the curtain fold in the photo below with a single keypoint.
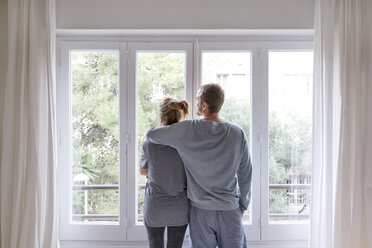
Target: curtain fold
[
  {"x": 28, "y": 173},
  {"x": 341, "y": 191}
]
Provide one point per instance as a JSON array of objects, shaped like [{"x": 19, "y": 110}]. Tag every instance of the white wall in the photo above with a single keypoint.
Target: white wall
[{"x": 184, "y": 14}]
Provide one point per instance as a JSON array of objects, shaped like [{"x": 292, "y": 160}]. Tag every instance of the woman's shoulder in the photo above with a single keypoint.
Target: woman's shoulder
[
  {"x": 152, "y": 147},
  {"x": 145, "y": 142}
]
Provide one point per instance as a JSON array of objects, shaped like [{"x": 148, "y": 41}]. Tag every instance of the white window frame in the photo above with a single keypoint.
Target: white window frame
[
  {"x": 260, "y": 229},
  {"x": 82, "y": 231},
  {"x": 275, "y": 231},
  {"x": 137, "y": 231},
  {"x": 252, "y": 230}
]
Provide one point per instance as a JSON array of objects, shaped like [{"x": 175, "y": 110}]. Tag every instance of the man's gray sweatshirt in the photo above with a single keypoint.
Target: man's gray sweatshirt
[{"x": 216, "y": 159}]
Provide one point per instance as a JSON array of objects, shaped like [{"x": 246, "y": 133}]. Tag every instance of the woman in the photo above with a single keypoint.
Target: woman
[{"x": 166, "y": 203}]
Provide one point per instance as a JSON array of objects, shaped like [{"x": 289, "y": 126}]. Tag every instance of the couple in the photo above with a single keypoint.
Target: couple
[{"x": 213, "y": 156}]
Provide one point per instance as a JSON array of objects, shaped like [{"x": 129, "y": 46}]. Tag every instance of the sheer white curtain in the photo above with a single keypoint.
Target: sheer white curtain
[
  {"x": 342, "y": 173},
  {"x": 28, "y": 173}
]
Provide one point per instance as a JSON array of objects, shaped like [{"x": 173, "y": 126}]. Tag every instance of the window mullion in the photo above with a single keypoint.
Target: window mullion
[
  {"x": 264, "y": 132},
  {"x": 123, "y": 130}
]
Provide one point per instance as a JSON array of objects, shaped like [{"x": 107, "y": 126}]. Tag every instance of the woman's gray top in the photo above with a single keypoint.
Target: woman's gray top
[{"x": 166, "y": 202}]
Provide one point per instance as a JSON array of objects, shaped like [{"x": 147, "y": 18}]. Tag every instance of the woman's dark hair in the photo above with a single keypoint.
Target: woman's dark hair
[{"x": 173, "y": 111}]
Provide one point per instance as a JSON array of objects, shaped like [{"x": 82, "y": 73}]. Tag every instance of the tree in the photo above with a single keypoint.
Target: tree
[
  {"x": 95, "y": 129},
  {"x": 290, "y": 157}
]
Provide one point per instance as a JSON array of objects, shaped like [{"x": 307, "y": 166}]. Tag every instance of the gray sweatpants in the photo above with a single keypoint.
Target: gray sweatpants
[{"x": 211, "y": 228}]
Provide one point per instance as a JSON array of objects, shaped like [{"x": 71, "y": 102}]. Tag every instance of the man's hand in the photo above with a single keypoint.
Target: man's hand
[{"x": 241, "y": 209}]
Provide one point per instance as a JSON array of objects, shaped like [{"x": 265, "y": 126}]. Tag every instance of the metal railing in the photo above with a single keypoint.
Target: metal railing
[
  {"x": 289, "y": 186},
  {"x": 95, "y": 217},
  {"x": 115, "y": 217},
  {"x": 96, "y": 187}
]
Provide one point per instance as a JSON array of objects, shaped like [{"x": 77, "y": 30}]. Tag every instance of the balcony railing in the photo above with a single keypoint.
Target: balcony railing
[
  {"x": 289, "y": 186},
  {"x": 115, "y": 217},
  {"x": 95, "y": 217}
]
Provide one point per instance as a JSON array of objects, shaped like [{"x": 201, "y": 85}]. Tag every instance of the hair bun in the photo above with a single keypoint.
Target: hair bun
[
  {"x": 185, "y": 107},
  {"x": 173, "y": 111},
  {"x": 166, "y": 101}
]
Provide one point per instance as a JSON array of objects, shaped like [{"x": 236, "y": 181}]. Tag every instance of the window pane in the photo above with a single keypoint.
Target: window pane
[
  {"x": 95, "y": 136},
  {"x": 159, "y": 74},
  {"x": 96, "y": 206},
  {"x": 290, "y": 135},
  {"x": 231, "y": 70}
]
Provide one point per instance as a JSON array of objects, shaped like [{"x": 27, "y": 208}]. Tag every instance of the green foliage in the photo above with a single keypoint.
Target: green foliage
[
  {"x": 159, "y": 75},
  {"x": 290, "y": 160},
  {"x": 140, "y": 200},
  {"x": 290, "y": 146},
  {"x": 95, "y": 129}
]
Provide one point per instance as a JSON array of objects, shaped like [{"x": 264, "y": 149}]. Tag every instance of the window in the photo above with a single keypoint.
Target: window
[
  {"x": 95, "y": 136},
  {"x": 287, "y": 150},
  {"x": 290, "y": 135},
  {"x": 91, "y": 111},
  {"x": 237, "y": 87},
  {"x": 155, "y": 70},
  {"x": 159, "y": 74},
  {"x": 107, "y": 98}
]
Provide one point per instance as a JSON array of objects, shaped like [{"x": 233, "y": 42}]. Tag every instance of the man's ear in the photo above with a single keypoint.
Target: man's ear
[{"x": 205, "y": 107}]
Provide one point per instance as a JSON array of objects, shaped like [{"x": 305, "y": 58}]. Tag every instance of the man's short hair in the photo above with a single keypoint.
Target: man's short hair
[{"x": 213, "y": 95}]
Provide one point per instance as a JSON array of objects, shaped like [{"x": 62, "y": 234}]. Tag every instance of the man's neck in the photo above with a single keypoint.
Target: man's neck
[{"x": 212, "y": 117}]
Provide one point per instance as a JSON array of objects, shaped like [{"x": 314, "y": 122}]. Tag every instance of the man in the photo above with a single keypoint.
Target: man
[{"x": 216, "y": 158}]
